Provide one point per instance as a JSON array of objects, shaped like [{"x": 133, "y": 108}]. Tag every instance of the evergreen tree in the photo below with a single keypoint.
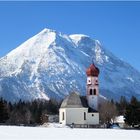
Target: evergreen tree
[
  {"x": 132, "y": 115},
  {"x": 3, "y": 111},
  {"x": 27, "y": 112},
  {"x": 121, "y": 105}
]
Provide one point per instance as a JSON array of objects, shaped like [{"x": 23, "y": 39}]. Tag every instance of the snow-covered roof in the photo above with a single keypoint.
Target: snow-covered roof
[{"x": 119, "y": 119}]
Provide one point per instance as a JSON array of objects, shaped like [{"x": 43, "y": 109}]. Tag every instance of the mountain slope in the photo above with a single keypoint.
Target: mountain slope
[{"x": 52, "y": 64}]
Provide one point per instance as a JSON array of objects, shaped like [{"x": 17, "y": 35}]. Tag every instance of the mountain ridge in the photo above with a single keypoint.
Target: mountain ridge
[{"x": 52, "y": 64}]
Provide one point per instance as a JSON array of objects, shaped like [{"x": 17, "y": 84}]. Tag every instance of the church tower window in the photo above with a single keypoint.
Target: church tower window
[
  {"x": 94, "y": 91},
  {"x": 90, "y": 91}
]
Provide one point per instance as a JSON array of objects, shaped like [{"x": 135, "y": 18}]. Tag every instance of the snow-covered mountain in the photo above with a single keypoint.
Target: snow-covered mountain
[{"x": 52, "y": 64}]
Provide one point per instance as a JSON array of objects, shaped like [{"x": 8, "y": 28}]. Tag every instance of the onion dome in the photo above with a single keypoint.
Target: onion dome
[{"x": 92, "y": 70}]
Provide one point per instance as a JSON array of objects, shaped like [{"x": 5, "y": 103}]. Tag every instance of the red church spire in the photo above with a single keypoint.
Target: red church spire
[{"x": 92, "y": 70}]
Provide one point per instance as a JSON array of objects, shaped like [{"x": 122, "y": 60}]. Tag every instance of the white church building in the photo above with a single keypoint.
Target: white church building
[{"x": 79, "y": 110}]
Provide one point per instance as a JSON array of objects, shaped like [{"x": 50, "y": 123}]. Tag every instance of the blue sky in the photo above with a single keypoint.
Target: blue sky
[{"x": 115, "y": 24}]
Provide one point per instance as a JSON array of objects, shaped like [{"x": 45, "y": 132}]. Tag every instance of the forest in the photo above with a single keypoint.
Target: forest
[
  {"x": 33, "y": 113},
  {"x": 27, "y": 113}
]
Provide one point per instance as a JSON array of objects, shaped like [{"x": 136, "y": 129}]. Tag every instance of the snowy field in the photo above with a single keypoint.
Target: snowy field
[{"x": 43, "y": 133}]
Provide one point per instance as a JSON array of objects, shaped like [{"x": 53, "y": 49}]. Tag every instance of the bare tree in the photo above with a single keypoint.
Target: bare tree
[{"x": 108, "y": 112}]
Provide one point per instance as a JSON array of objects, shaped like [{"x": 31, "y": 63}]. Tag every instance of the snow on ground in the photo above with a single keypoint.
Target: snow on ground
[
  {"x": 44, "y": 133},
  {"x": 54, "y": 125}
]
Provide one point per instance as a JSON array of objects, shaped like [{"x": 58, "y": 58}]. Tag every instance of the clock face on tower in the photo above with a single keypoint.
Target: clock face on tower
[{"x": 89, "y": 81}]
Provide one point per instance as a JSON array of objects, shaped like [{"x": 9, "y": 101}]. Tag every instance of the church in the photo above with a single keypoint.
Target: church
[{"x": 82, "y": 111}]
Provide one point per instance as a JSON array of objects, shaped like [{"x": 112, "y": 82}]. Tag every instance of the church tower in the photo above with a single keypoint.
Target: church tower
[{"x": 92, "y": 86}]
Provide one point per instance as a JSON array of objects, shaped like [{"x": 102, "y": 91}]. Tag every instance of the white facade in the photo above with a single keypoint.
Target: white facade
[{"x": 68, "y": 116}]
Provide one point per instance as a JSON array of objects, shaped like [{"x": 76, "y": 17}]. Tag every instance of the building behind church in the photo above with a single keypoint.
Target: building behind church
[{"x": 79, "y": 110}]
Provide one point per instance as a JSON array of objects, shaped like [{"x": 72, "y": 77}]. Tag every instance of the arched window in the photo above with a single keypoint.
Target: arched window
[
  {"x": 94, "y": 91},
  {"x": 63, "y": 116},
  {"x": 84, "y": 115},
  {"x": 90, "y": 92}
]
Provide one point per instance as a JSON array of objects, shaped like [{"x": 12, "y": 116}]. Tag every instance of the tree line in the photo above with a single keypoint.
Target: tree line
[
  {"x": 27, "y": 113},
  {"x": 129, "y": 109},
  {"x": 35, "y": 112}
]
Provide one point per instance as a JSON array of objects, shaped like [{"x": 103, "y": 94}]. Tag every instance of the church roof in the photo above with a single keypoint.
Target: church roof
[
  {"x": 92, "y": 70},
  {"x": 75, "y": 101},
  {"x": 72, "y": 101}
]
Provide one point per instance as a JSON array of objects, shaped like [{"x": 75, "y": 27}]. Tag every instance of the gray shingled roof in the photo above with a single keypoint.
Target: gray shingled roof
[
  {"x": 75, "y": 101},
  {"x": 72, "y": 101}
]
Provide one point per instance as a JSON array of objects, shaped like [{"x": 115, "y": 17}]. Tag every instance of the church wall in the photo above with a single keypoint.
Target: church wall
[
  {"x": 93, "y": 101},
  {"x": 76, "y": 115},
  {"x": 62, "y": 115},
  {"x": 73, "y": 115},
  {"x": 93, "y": 118}
]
